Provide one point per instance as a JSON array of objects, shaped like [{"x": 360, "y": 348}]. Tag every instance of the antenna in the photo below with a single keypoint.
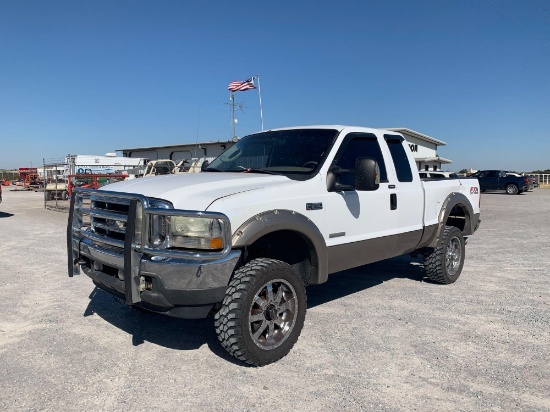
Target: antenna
[
  {"x": 232, "y": 107},
  {"x": 198, "y": 125}
]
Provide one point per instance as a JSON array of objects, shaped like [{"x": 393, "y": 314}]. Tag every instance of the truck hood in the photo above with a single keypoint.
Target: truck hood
[{"x": 196, "y": 191}]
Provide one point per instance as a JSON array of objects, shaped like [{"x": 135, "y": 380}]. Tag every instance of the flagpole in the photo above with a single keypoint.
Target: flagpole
[{"x": 260, "y": 96}]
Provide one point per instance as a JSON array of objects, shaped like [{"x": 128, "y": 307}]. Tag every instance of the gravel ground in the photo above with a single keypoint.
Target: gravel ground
[{"x": 376, "y": 338}]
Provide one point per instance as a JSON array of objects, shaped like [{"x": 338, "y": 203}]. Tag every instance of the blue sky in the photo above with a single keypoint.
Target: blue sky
[{"x": 89, "y": 77}]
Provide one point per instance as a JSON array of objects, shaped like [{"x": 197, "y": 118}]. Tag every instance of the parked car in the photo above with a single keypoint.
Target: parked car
[
  {"x": 498, "y": 180},
  {"x": 437, "y": 175},
  {"x": 535, "y": 181},
  {"x": 0, "y": 193}
]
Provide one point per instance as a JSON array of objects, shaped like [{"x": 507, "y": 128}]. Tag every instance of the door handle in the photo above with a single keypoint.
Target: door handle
[{"x": 393, "y": 201}]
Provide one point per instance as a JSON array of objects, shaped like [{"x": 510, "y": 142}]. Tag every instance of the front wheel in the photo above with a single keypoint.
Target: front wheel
[
  {"x": 444, "y": 264},
  {"x": 512, "y": 190},
  {"x": 263, "y": 312}
]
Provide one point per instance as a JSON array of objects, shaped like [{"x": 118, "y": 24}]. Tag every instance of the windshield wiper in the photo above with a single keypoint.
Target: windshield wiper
[
  {"x": 263, "y": 171},
  {"x": 211, "y": 169}
]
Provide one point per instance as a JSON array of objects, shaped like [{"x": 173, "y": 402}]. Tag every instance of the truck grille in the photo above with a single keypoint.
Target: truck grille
[
  {"x": 109, "y": 216},
  {"x": 107, "y": 219}
]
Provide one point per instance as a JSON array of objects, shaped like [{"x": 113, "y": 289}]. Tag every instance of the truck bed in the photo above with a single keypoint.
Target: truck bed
[{"x": 437, "y": 190}]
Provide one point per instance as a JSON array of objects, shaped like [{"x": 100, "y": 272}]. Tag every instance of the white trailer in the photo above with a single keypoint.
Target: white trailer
[{"x": 109, "y": 163}]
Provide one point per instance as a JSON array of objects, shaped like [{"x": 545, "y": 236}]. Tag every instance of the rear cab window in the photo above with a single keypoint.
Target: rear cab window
[{"x": 399, "y": 156}]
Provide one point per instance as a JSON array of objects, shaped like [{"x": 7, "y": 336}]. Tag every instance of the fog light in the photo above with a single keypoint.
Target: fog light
[{"x": 145, "y": 283}]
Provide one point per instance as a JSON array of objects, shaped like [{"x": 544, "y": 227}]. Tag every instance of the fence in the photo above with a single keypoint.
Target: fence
[
  {"x": 9, "y": 175},
  {"x": 54, "y": 184}
]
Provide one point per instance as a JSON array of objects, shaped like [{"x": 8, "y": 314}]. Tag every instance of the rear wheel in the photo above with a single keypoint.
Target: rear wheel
[
  {"x": 512, "y": 190},
  {"x": 263, "y": 312},
  {"x": 444, "y": 264}
]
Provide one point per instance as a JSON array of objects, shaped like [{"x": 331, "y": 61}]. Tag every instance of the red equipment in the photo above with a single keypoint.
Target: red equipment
[{"x": 92, "y": 180}]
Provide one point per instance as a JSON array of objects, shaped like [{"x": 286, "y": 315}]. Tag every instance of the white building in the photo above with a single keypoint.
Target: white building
[{"x": 180, "y": 152}]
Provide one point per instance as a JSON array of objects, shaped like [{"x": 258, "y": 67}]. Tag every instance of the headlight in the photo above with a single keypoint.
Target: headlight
[
  {"x": 170, "y": 231},
  {"x": 196, "y": 232}
]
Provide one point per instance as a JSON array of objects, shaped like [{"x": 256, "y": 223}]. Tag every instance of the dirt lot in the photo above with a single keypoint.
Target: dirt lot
[{"x": 376, "y": 338}]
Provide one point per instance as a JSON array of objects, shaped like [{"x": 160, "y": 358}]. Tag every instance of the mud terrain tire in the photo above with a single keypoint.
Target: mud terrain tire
[
  {"x": 444, "y": 264},
  {"x": 263, "y": 312}
]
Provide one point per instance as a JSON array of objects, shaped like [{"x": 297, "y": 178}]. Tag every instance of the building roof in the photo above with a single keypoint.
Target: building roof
[
  {"x": 433, "y": 159},
  {"x": 173, "y": 145},
  {"x": 418, "y": 135}
]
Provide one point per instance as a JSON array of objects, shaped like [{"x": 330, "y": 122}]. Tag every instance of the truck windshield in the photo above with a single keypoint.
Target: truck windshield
[{"x": 297, "y": 154}]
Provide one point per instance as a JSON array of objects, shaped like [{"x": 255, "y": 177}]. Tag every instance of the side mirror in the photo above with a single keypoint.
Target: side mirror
[
  {"x": 367, "y": 174},
  {"x": 204, "y": 165}
]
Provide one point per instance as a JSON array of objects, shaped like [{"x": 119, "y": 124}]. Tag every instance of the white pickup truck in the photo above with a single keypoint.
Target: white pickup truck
[{"x": 278, "y": 211}]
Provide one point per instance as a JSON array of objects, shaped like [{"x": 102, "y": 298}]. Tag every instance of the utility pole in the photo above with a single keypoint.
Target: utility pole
[{"x": 232, "y": 107}]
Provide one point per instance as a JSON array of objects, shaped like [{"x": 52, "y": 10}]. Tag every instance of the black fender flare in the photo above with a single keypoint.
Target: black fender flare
[
  {"x": 471, "y": 219},
  {"x": 281, "y": 219}
]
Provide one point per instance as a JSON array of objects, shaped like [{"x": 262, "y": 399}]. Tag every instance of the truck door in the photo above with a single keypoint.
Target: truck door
[
  {"x": 503, "y": 180},
  {"x": 408, "y": 199},
  {"x": 362, "y": 227},
  {"x": 492, "y": 180}
]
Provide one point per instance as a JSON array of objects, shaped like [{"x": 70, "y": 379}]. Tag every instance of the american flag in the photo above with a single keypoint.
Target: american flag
[{"x": 238, "y": 86}]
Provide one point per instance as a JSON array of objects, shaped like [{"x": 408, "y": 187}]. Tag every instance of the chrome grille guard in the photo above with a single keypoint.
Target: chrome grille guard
[{"x": 128, "y": 227}]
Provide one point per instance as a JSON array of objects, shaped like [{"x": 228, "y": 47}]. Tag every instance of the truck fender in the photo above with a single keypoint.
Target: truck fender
[
  {"x": 281, "y": 219},
  {"x": 470, "y": 218}
]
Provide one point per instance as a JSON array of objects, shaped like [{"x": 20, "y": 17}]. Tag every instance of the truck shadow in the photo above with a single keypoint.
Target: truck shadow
[
  {"x": 162, "y": 330},
  {"x": 184, "y": 334},
  {"x": 351, "y": 281}
]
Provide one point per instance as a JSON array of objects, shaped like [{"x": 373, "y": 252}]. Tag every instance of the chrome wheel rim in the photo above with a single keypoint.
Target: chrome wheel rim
[
  {"x": 454, "y": 256},
  {"x": 272, "y": 314}
]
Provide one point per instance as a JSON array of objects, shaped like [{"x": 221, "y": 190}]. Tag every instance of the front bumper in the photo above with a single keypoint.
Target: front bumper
[
  {"x": 176, "y": 287},
  {"x": 177, "y": 283}
]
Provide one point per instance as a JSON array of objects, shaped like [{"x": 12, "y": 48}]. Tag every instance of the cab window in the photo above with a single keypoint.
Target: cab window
[{"x": 354, "y": 146}]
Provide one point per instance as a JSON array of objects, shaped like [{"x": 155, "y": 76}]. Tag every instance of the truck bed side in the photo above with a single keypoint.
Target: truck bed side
[{"x": 439, "y": 204}]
